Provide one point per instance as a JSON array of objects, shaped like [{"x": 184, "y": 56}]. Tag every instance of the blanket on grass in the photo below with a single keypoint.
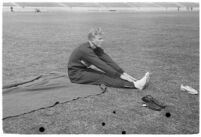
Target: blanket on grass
[{"x": 43, "y": 91}]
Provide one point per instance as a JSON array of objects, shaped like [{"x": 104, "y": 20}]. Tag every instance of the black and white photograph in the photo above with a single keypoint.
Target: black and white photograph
[{"x": 100, "y": 67}]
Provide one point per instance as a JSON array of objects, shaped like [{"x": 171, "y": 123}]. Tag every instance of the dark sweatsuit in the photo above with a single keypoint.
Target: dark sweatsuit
[{"x": 79, "y": 73}]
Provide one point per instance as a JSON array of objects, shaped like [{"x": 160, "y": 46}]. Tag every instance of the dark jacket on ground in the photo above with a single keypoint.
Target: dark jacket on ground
[{"x": 90, "y": 56}]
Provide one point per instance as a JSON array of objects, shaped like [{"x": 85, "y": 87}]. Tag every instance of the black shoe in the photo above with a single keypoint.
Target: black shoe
[{"x": 152, "y": 103}]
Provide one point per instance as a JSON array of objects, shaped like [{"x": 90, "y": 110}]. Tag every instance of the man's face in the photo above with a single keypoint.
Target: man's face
[{"x": 98, "y": 40}]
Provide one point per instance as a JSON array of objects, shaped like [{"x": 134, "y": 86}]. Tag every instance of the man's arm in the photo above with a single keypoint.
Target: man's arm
[
  {"x": 106, "y": 58},
  {"x": 90, "y": 66},
  {"x": 92, "y": 58},
  {"x": 95, "y": 68}
]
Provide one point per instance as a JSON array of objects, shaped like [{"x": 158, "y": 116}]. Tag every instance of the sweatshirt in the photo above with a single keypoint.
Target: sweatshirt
[{"x": 102, "y": 61}]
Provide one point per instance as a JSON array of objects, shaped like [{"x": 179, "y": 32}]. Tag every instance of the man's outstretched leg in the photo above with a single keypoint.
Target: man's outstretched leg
[
  {"x": 120, "y": 83},
  {"x": 93, "y": 77}
]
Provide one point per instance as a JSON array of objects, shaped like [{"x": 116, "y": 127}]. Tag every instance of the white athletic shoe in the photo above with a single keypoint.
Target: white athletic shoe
[
  {"x": 142, "y": 83},
  {"x": 189, "y": 89}
]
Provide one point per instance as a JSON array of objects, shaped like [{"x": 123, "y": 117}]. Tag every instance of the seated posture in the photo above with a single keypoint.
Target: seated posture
[{"x": 89, "y": 64}]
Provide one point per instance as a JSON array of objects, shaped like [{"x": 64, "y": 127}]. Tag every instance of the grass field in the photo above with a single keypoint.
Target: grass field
[{"x": 166, "y": 44}]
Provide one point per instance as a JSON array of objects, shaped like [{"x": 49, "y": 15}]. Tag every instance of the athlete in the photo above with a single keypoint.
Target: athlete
[{"x": 89, "y": 64}]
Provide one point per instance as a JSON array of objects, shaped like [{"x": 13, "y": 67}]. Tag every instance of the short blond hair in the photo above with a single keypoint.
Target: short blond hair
[{"x": 94, "y": 32}]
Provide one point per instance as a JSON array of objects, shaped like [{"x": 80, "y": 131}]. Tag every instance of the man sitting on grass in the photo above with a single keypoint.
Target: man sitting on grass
[{"x": 89, "y": 64}]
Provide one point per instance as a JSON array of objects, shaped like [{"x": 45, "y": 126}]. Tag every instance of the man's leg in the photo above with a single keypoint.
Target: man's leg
[
  {"x": 94, "y": 77},
  {"x": 116, "y": 82}
]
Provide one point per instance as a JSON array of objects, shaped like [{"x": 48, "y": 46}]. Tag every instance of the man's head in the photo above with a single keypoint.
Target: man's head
[{"x": 95, "y": 36}]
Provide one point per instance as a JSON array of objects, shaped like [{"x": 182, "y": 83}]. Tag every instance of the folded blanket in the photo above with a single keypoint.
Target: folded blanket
[{"x": 43, "y": 91}]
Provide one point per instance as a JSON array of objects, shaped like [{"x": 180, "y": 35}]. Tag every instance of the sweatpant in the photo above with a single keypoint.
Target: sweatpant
[{"x": 93, "y": 77}]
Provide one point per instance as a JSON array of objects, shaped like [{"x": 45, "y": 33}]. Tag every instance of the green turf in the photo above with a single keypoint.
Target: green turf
[{"x": 166, "y": 44}]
